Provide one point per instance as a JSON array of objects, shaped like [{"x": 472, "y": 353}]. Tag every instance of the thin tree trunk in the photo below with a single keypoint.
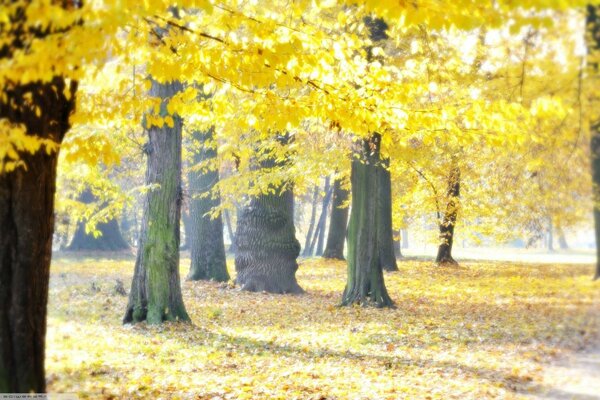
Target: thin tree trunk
[
  {"x": 266, "y": 242},
  {"x": 444, "y": 255},
  {"x": 207, "y": 246},
  {"x": 365, "y": 282},
  {"x": 323, "y": 218},
  {"x": 385, "y": 232},
  {"x": 593, "y": 26},
  {"x": 397, "y": 247},
  {"x": 337, "y": 223},
  {"x": 313, "y": 213},
  {"x": 110, "y": 238},
  {"x": 26, "y": 228},
  {"x": 155, "y": 294},
  {"x": 229, "y": 232}
]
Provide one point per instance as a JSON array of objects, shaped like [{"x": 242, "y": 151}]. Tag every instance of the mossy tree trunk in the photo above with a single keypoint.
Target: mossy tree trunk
[
  {"x": 26, "y": 228},
  {"x": 155, "y": 294},
  {"x": 593, "y": 44},
  {"x": 365, "y": 283},
  {"x": 444, "y": 255},
  {"x": 206, "y": 245},
  {"x": 110, "y": 238},
  {"x": 266, "y": 244},
  {"x": 338, "y": 222},
  {"x": 385, "y": 232}
]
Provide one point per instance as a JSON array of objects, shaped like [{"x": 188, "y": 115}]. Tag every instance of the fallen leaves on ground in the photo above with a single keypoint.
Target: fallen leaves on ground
[{"x": 482, "y": 330}]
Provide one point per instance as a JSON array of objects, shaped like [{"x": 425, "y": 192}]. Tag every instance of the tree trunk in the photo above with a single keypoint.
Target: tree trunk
[
  {"x": 562, "y": 241},
  {"x": 156, "y": 290},
  {"x": 110, "y": 238},
  {"x": 337, "y": 223},
  {"x": 444, "y": 255},
  {"x": 266, "y": 242},
  {"x": 229, "y": 232},
  {"x": 593, "y": 27},
  {"x": 404, "y": 236},
  {"x": 27, "y": 224},
  {"x": 207, "y": 246},
  {"x": 397, "y": 247},
  {"x": 385, "y": 232},
  {"x": 365, "y": 283},
  {"x": 313, "y": 213},
  {"x": 323, "y": 217}
]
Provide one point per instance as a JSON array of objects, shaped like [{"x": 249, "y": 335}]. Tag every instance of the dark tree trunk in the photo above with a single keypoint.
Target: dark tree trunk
[
  {"x": 110, "y": 238},
  {"x": 365, "y": 282},
  {"x": 593, "y": 27},
  {"x": 444, "y": 255},
  {"x": 26, "y": 228},
  {"x": 155, "y": 294},
  {"x": 207, "y": 246},
  {"x": 313, "y": 215},
  {"x": 266, "y": 242},
  {"x": 397, "y": 247},
  {"x": 337, "y": 223},
  {"x": 323, "y": 217},
  {"x": 385, "y": 232},
  {"x": 229, "y": 232}
]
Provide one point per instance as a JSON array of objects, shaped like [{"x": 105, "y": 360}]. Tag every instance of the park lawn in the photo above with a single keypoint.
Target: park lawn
[{"x": 481, "y": 330}]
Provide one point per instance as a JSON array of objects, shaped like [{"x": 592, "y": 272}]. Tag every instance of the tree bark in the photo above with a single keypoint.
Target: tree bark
[
  {"x": 207, "y": 247},
  {"x": 27, "y": 224},
  {"x": 385, "y": 232},
  {"x": 266, "y": 242},
  {"x": 110, "y": 238},
  {"x": 311, "y": 226},
  {"x": 155, "y": 294},
  {"x": 337, "y": 223},
  {"x": 593, "y": 37},
  {"x": 365, "y": 283},
  {"x": 323, "y": 218},
  {"x": 444, "y": 255}
]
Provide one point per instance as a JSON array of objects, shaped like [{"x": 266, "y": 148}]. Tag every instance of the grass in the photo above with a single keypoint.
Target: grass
[{"x": 482, "y": 330}]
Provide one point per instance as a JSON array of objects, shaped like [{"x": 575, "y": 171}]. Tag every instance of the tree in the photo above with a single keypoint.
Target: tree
[
  {"x": 34, "y": 117},
  {"x": 155, "y": 294},
  {"x": 337, "y": 222},
  {"x": 444, "y": 255},
  {"x": 365, "y": 284},
  {"x": 208, "y": 260},
  {"x": 266, "y": 242},
  {"x": 109, "y": 239},
  {"x": 385, "y": 233},
  {"x": 311, "y": 226},
  {"x": 593, "y": 27}
]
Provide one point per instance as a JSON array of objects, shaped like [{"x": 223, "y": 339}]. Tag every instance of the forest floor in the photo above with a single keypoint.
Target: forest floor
[{"x": 479, "y": 331}]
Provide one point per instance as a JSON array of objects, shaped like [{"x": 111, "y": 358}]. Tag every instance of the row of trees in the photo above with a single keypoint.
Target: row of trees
[{"x": 291, "y": 91}]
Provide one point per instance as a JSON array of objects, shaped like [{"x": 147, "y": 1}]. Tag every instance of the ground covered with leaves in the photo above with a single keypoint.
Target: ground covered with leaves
[{"x": 481, "y": 330}]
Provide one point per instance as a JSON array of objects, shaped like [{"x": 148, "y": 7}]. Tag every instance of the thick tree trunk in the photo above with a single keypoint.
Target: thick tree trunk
[
  {"x": 207, "y": 246},
  {"x": 266, "y": 244},
  {"x": 385, "y": 232},
  {"x": 26, "y": 227},
  {"x": 593, "y": 27},
  {"x": 444, "y": 255},
  {"x": 311, "y": 226},
  {"x": 156, "y": 290},
  {"x": 110, "y": 238},
  {"x": 365, "y": 284},
  {"x": 337, "y": 223}
]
